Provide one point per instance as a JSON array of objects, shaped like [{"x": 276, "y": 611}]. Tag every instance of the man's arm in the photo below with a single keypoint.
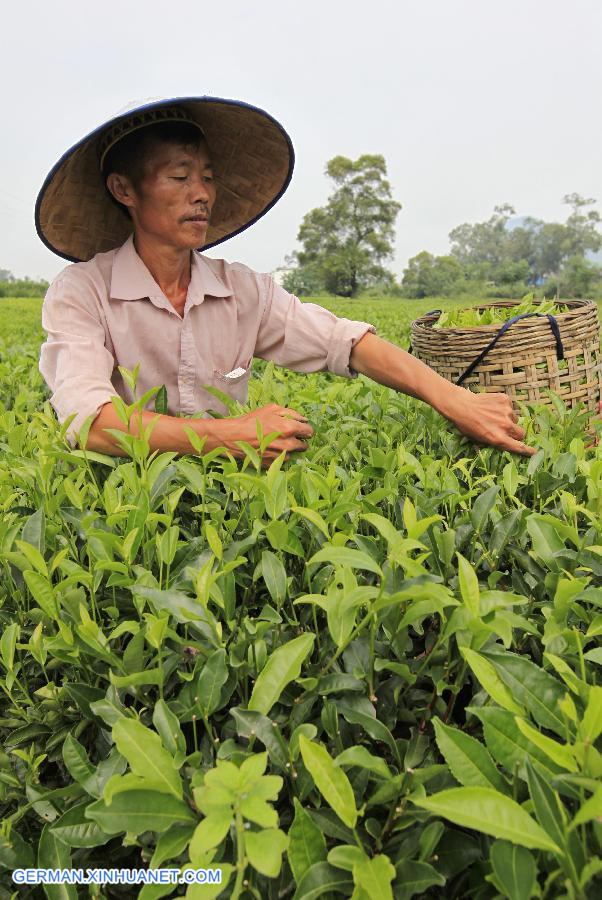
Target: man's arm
[
  {"x": 169, "y": 432},
  {"x": 484, "y": 418},
  {"x": 304, "y": 336}
]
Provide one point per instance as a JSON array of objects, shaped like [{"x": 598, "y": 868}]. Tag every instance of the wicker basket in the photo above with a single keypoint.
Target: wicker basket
[{"x": 527, "y": 359}]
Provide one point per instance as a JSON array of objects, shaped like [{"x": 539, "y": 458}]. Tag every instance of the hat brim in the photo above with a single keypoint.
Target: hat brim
[{"x": 253, "y": 161}]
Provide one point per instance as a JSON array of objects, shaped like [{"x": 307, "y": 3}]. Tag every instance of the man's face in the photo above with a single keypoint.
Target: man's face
[{"x": 176, "y": 195}]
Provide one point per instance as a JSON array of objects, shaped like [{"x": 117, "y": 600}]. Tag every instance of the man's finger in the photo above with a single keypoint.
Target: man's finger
[
  {"x": 302, "y": 430},
  {"x": 289, "y": 444},
  {"x": 291, "y": 413},
  {"x": 519, "y": 447},
  {"x": 517, "y": 432}
]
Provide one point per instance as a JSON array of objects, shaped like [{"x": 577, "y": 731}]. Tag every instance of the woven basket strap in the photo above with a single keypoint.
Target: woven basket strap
[
  {"x": 553, "y": 325},
  {"x": 431, "y": 313}
]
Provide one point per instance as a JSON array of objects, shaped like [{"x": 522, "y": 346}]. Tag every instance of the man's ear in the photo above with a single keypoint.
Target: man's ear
[{"x": 121, "y": 188}]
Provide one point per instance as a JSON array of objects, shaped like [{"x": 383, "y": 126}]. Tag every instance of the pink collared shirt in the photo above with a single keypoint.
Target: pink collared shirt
[{"x": 110, "y": 312}]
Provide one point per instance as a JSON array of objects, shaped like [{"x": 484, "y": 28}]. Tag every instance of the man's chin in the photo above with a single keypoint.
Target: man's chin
[
  {"x": 195, "y": 233},
  {"x": 193, "y": 237}
]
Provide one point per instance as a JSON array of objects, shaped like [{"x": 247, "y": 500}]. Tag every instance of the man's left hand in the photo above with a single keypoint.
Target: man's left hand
[
  {"x": 484, "y": 418},
  {"x": 489, "y": 419}
]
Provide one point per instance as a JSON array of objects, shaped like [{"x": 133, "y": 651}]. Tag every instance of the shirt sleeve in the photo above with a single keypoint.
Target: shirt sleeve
[
  {"x": 306, "y": 337},
  {"x": 74, "y": 360}
]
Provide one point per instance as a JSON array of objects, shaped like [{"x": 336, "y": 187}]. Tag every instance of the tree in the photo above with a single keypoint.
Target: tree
[
  {"x": 432, "y": 276},
  {"x": 509, "y": 272},
  {"x": 489, "y": 250},
  {"x": 579, "y": 277},
  {"x": 303, "y": 281},
  {"x": 551, "y": 249},
  {"x": 346, "y": 241},
  {"x": 484, "y": 243},
  {"x": 6, "y": 275},
  {"x": 582, "y": 226}
]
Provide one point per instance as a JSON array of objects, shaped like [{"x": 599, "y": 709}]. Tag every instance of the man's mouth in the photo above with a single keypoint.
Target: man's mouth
[{"x": 199, "y": 218}]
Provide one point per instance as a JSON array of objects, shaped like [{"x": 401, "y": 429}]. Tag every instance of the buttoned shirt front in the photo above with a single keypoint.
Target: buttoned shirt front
[{"x": 110, "y": 312}]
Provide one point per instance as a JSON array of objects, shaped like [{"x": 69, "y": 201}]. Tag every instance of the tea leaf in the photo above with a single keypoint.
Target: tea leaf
[
  {"x": 506, "y": 743},
  {"x": 76, "y": 759},
  {"x": 213, "y": 540},
  {"x": 469, "y": 585},
  {"x": 43, "y": 593},
  {"x": 591, "y": 726},
  {"x": 559, "y": 753},
  {"x": 468, "y": 760},
  {"x": 374, "y": 876},
  {"x": 514, "y": 869},
  {"x": 537, "y": 690},
  {"x": 34, "y": 531},
  {"x": 265, "y": 849},
  {"x": 548, "y": 809},
  {"x": 34, "y": 557},
  {"x": 488, "y": 811},
  {"x": 168, "y": 728},
  {"x": 546, "y": 540},
  {"x": 414, "y": 878},
  {"x": 282, "y": 667},
  {"x": 171, "y": 843},
  {"x": 146, "y": 755},
  {"x": 212, "y": 678},
  {"x": 491, "y": 681},
  {"x": 346, "y": 857},
  {"x": 53, "y": 853},
  {"x": 345, "y": 556},
  {"x": 314, "y": 517},
  {"x": 306, "y": 843},
  {"x": 211, "y": 831},
  {"x": 139, "y": 811},
  {"x": 77, "y": 830},
  {"x": 274, "y": 575},
  {"x": 320, "y": 879},
  {"x": 360, "y": 756},
  {"x": 161, "y": 400},
  {"x": 591, "y": 809},
  {"x": 252, "y": 724},
  {"x": 482, "y": 507},
  {"x": 330, "y": 780},
  {"x": 8, "y": 642},
  {"x": 371, "y": 725}
]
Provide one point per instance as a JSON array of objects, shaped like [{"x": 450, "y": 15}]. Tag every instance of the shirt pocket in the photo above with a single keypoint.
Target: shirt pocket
[
  {"x": 235, "y": 385},
  {"x": 236, "y": 375}
]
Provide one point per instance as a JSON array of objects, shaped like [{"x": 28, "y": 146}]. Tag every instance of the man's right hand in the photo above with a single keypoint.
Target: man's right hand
[
  {"x": 169, "y": 432},
  {"x": 291, "y": 424}
]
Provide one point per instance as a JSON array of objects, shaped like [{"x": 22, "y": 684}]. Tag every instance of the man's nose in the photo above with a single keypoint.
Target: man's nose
[{"x": 200, "y": 189}]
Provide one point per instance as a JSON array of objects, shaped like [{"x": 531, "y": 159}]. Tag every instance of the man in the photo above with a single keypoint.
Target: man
[{"x": 181, "y": 175}]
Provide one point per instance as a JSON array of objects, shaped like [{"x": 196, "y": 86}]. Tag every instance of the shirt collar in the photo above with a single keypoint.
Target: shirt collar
[{"x": 131, "y": 280}]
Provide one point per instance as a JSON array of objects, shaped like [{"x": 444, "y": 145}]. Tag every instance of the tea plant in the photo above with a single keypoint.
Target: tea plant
[{"x": 371, "y": 671}]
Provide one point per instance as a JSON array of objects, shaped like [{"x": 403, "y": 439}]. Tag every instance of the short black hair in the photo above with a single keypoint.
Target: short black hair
[{"x": 129, "y": 155}]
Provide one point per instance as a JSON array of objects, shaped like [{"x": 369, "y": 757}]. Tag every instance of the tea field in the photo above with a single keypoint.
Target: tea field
[{"x": 371, "y": 671}]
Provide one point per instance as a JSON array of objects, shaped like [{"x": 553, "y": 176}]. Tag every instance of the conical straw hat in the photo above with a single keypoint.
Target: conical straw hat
[{"x": 252, "y": 159}]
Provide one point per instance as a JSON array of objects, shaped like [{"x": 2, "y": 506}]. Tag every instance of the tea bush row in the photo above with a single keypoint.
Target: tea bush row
[{"x": 371, "y": 671}]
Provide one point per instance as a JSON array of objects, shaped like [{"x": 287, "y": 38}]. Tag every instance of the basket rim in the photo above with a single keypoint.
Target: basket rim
[{"x": 425, "y": 323}]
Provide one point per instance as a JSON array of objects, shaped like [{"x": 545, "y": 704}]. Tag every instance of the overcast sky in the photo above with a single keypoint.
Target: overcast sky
[{"x": 472, "y": 103}]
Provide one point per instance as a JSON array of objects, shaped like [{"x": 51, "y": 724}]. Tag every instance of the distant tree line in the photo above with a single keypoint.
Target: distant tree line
[
  {"x": 346, "y": 243},
  {"x": 20, "y": 287},
  {"x": 502, "y": 258}
]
